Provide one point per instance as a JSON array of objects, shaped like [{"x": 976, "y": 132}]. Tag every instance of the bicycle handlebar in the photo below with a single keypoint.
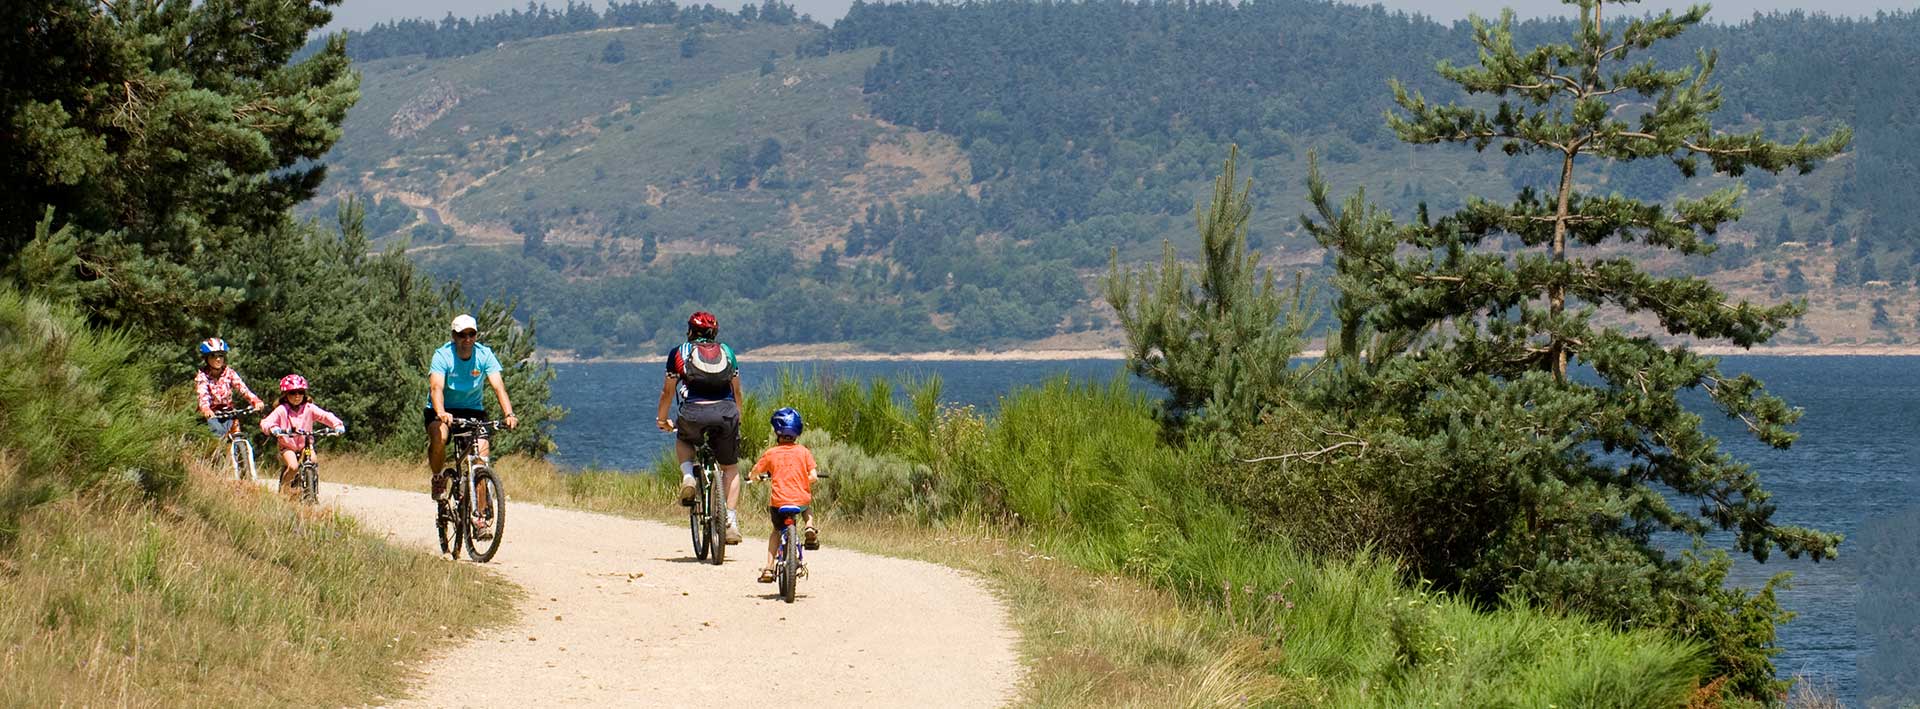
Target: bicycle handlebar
[
  {"x": 322, "y": 431},
  {"x": 231, "y": 414},
  {"x": 473, "y": 426}
]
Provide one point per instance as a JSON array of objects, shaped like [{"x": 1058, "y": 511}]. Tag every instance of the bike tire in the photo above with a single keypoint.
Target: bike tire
[
  {"x": 443, "y": 524},
  {"x": 479, "y": 550},
  {"x": 716, "y": 520},
  {"x": 233, "y": 460},
  {"x": 309, "y": 481},
  {"x": 253, "y": 471},
  {"x": 462, "y": 515},
  {"x": 698, "y": 518},
  {"x": 789, "y": 571}
]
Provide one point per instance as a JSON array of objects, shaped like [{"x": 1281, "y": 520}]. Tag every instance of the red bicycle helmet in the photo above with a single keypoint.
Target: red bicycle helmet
[
  {"x": 293, "y": 382},
  {"x": 704, "y": 323}
]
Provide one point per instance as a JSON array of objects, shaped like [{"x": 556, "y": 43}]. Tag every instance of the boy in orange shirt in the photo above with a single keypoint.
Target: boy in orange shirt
[{"x": 792, "y": 468}]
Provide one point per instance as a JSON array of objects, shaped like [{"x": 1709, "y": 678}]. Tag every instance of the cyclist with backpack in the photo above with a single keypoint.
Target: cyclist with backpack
[{"x": 704, "y": 376}]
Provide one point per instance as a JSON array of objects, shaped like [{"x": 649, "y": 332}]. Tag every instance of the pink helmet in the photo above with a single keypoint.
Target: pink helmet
[{"x": 293, "y": 382}]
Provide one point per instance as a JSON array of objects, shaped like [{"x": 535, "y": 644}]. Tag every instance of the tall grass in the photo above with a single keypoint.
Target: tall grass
[{"x": 1082, "y": 469}]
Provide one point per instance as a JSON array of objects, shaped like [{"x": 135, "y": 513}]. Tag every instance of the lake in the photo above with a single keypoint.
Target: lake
[{"x": 1854, "y": 462}]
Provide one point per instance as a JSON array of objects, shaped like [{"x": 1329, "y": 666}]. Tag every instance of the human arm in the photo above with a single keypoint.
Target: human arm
[
  {"x": 274, "y": 421},
  {"x": 241, "y": 385},
  {"x": 736, "y": 389},
  {"x": 666, "y": 402},
  {"x": 500, "y": 392},
  {"x": 436, "y": 393},
  {"x": 203, "y": 394},
  {"x": 327, "y": 417}
]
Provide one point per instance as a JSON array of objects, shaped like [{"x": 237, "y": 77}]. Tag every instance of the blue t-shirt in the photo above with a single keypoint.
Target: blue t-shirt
[{"x": 466, "y": 378}]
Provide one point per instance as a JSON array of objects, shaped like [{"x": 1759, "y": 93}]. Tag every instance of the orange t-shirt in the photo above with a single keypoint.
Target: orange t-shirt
[{"x": 792, "y": 467}]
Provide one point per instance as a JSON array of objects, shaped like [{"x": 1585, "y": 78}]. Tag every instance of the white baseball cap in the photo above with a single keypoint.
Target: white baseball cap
[{"x": 464, "y": 323}]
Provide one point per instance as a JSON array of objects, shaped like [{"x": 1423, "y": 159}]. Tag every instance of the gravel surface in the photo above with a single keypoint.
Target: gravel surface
[{"x": 618, "y": 613}]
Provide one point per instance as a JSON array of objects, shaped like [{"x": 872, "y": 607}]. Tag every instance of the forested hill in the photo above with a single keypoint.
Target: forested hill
[{"x": 925, "y": 175}]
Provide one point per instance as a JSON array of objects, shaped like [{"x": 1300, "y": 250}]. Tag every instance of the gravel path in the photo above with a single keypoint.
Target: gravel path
[{"x": 618, "y": 614}]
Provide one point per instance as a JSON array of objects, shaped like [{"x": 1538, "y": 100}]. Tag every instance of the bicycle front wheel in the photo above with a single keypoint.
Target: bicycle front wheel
[
  {"x": 242, "y": 454},
  {"x": 309, "y": 482},
  {"x": 493, "y": 501}
]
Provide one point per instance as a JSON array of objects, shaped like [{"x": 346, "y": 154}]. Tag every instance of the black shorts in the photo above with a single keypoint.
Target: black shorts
[
  {"x": 780, "y": 518},
  {"x": 428, "y": 418},
  {"x": 717, "y": 424}
]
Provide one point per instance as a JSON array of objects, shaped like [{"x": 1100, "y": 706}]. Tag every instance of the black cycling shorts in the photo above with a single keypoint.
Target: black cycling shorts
[
  {"x": 428, "y": 418},
  {"x": 716, "y": 423}
]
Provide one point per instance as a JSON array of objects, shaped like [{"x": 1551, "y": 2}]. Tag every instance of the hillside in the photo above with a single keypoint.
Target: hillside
[{"x": 947, "y": 176}]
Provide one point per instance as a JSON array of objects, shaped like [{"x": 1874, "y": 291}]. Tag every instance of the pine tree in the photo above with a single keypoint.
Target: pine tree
[
  {"x": 1218, "y": 337},
  {"x": 164, "y": 135},
  {"x": 1474, "y": 379}
]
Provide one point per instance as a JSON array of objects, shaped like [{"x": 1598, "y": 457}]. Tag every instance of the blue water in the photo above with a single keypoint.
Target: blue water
[{"x": 1855, "y": 459}]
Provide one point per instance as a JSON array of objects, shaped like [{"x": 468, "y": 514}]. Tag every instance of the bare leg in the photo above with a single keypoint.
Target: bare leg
[
  {"x": 732, "y": 476},
  {"x": 291, "y": 463},
  {"x": 436, "y": 454}
]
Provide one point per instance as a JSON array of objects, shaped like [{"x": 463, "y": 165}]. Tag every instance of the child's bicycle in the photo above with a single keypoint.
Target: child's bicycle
[
  {"x": 306, "y": 478},
  {"x": 706, "y": 517},
  {"x": 789, "y": 560},
  {"x": 456, "y": 514},
  {"x": 238, "y": 448}
]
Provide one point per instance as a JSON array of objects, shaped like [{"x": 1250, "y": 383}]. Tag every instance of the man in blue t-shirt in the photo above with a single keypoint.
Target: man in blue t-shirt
[{"x": 453, "y": 391}]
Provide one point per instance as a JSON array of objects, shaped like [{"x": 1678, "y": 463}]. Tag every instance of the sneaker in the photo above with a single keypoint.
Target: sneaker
[
  {"x": 812, "y": 542},
  {"x": 733, "y": 534},
  {"x": 766, "y": 575},
  {"x": 686, "y": 491},
  {"x": 483, "y": 525},
  {"x": 442, "y": 485}
]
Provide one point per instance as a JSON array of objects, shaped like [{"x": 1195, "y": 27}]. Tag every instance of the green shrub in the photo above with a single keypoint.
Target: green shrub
[{"x": 76, "y": 410}]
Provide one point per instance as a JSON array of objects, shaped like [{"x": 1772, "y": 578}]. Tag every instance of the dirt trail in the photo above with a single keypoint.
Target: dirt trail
[{"x": 617, "y": 614}]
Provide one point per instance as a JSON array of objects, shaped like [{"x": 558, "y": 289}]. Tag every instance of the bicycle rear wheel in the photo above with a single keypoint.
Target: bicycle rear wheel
[
  {"x": 716, "y": 519},
  {"x": 697, "y": 519},
  {"x": 482, "y": 550},
  {"x": 789, "y": 564}
]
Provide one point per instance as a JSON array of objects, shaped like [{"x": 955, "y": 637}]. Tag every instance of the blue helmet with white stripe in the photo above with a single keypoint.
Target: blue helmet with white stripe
[
  {"x": 213, "y": 345},
  {"x": 786, "y": 422}
]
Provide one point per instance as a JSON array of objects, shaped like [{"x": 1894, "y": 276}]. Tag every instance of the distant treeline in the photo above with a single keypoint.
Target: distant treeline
[
  {"x": 456, "y": 36},
  {"x": 1079, "y": 109}
]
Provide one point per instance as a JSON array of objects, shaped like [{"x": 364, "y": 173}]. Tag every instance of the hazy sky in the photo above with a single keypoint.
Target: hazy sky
[{"x": 361, "y": 13}]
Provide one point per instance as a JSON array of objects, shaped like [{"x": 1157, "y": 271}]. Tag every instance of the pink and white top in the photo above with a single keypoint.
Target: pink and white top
[
  {"x": 216, "y": 392},
  {"x": 299, "y": 418}
]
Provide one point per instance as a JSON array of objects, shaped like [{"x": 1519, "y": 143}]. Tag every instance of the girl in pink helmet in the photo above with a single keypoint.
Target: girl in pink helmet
[{"x": 295, "y": 412}]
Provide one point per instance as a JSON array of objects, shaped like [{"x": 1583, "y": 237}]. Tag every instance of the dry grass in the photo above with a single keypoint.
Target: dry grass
[
  {"x": 1088, "y": 639},
  {"x": 223, "y": 596}
]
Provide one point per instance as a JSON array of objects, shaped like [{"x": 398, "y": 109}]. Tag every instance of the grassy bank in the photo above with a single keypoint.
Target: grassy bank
[
  {"x": 1132, "y": 587},
  {"x": 128, "y": 577}
]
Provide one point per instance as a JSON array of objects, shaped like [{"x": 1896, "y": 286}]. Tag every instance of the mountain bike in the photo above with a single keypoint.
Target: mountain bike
[
  {"x": 472, "y": 478},
  {"x": 707, "y": 517},
  {"x": 789, "y": 560},
  {"x": 306, "y": 478},
  {"x": 238, "y": 447}
]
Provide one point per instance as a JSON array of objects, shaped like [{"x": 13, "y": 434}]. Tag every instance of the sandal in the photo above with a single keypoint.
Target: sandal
[
  {"x": 812, "y": 542},
  {"x": 766, "y": 575}
]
